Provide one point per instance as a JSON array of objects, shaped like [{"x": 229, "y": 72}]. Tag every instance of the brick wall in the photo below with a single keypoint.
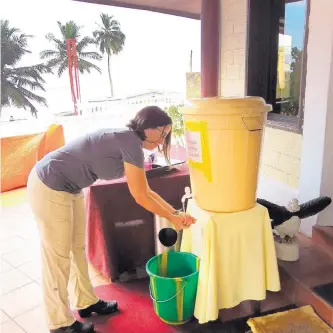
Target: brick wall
[
  {"x": 232, "y": 47},
  {"x": 281, "y": 156},
  {"x": 281, "y": 152}
]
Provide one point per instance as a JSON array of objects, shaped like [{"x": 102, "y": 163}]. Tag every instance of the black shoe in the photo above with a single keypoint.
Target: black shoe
[
  {"x": 76, "y": 327},
  {"x": 101, "y": 308}
]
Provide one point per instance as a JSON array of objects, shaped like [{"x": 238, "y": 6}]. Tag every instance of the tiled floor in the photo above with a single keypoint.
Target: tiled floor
[
  {"x": 20, "y": 277},
  {"x": 21, "y": 310},
  {"x": 20, "y": 273}
]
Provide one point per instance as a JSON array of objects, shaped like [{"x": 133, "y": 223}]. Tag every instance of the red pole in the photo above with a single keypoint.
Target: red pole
[
  {"x": 73, "y": 73},
  {"x": 210, "y": 12}
]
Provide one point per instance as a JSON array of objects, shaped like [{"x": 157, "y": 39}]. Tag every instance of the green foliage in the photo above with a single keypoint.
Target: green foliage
[
  {"x": 109, "y": 36},
  {"x": 110, "y": 40},
  {"x": 19, "y": 83},
  {"x": 296, "y": 72},
  {"x": 290, "y": 107},
  {"x": 177, "y": 122},
  {"x": 58, "y": 56},
  {"x": 193, "y": 85}
]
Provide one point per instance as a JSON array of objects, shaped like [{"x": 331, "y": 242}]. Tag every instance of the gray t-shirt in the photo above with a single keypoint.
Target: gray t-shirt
[{"x": 98, "y": 155}]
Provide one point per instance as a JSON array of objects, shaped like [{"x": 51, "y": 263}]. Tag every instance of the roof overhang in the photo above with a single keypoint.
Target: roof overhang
[{"x": 184, "y": 8}]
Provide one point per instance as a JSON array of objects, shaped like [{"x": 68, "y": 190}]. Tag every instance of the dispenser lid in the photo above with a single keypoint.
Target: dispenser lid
[{"x": 218, "y": 105}]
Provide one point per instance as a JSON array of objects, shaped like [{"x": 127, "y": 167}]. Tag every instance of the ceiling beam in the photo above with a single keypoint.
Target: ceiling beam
[{"x": 143, "y": 7}]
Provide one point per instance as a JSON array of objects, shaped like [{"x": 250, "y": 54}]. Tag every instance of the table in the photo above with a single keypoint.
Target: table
[
  {"x": 120, "y": 233},
  {"x": 238, "y": 260}
]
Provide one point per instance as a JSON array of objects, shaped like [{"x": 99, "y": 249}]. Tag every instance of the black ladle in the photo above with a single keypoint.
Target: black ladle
[{"x": 168, "y": 237}]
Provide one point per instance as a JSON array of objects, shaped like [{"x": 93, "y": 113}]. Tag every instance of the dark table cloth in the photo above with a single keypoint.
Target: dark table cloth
[{"x": 120, "y": 233}]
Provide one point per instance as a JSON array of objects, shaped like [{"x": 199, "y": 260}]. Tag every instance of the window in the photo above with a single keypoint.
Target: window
[
  {"x": 290, "y": 55},
  {"x": 276, "y": 57}
]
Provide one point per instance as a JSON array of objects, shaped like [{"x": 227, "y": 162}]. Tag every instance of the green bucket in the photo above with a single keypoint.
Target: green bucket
[{"x": 173, "y": 285}]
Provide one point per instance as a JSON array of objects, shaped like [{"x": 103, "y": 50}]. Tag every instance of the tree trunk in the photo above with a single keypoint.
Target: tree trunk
[{"x": 110, "y": 78}]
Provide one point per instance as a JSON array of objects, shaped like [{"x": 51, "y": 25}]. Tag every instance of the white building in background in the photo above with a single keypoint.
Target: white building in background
[{"x": 133, "y": 102}]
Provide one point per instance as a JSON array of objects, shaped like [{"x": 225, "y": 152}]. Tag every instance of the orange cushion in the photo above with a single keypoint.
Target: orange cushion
[{"x": 19, "y": 154}]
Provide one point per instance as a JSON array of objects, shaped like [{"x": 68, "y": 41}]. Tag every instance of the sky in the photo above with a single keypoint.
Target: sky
[
  {"x": 156, "y": 53},
  {"x": 295, "y": 15}
]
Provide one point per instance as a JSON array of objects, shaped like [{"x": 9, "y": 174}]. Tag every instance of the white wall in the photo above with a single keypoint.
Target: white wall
[
  {"x": 326, "y": 218},
  {"x": 281, "y": 152},
  {"x": 233, "y": 39},
  {"x": 316, "y": 177}
]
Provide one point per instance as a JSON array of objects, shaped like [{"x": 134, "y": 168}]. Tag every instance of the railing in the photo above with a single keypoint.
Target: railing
[
  {"x": 73, "y": 125},
  {"x": 106, "y": 116}
]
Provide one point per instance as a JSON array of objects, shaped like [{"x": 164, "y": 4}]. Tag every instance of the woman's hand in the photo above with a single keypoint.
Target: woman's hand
[
  {"x": 188, "y": 219},
  {"x": 182, "y": 221},
  {"x": 178, "y": 222},
  {"x": 138, "y": 186}
]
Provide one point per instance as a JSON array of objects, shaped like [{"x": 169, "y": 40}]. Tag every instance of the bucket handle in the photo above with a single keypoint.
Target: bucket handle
[
  {"x": 256, "y": 129},
  {"x": 169, "y": 299}
]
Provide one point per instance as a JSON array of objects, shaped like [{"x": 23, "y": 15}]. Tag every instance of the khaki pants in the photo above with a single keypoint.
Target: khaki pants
[{"x": 61, "y": 222}]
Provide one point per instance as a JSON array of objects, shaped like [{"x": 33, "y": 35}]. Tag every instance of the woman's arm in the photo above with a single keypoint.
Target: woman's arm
[
  {"x": 138, "y": 186},
  {"x": 161, "y": 201},
  {"x": 188, "y": 218}
]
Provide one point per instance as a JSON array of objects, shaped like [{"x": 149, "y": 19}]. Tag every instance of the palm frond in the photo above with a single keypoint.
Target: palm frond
[
  {"x": 69, "y": 30},
  {"x": 58, "y": 57},
  {"x": 17, "y": 83},
  {"x": 33, "y": 72},
  {"x": 55, "y": 61},
  {"x": 84, "y": 42},
  {"x": 31, "y": 96},
  {"x": 102, "y": 46},
  {"x": 13, "y": 44},
  {"x": 28, "y": 104},
  {"x": 52, "y": 38},
  {"x": 106, "y": 20},
  {"x": 91, "y": 55},
  {"x": 24, "y": 82},
  {"x": 96, "y": 34},
  {"x": 58, "y": 43},
  {"x": 49, "y": 36},
  {"x": 19, "y": 97},
  {"x": 39, "y": 68},
  {"x": 61, "y": 28},
  {"x": 115, "y": 46},
  {"x": 48, "y": 54},
  {"x": 62, "y": 67},
  {"x": 109, "y": 35},
  {"x": 11, "y": 96},
  {"x": 86, "y": 66},
  {"x": 115, "y": 25}
]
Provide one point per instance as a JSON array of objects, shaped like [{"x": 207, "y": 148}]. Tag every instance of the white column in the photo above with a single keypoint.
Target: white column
[
  {"x": 316, "y": 176},
  {"x": 233, "y": 40}
]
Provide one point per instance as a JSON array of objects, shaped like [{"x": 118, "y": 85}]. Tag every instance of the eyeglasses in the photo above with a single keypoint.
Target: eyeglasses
[
  {"x": 162, "y": 137},
  {"x": 163, "y": 134}
]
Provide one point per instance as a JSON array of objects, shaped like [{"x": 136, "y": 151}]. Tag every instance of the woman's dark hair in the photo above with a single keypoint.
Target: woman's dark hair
[{"x": 152, "y": 117}]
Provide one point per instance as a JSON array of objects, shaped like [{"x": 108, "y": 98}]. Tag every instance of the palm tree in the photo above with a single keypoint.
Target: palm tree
[
  {"x": 110, "y": 39},
  {"x": 19, "y": 82},
  {"x": 58, "y": 56}
]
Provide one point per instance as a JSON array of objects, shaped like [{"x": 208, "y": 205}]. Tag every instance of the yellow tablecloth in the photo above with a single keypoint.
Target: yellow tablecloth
[{"x": 238, "y": 260}]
